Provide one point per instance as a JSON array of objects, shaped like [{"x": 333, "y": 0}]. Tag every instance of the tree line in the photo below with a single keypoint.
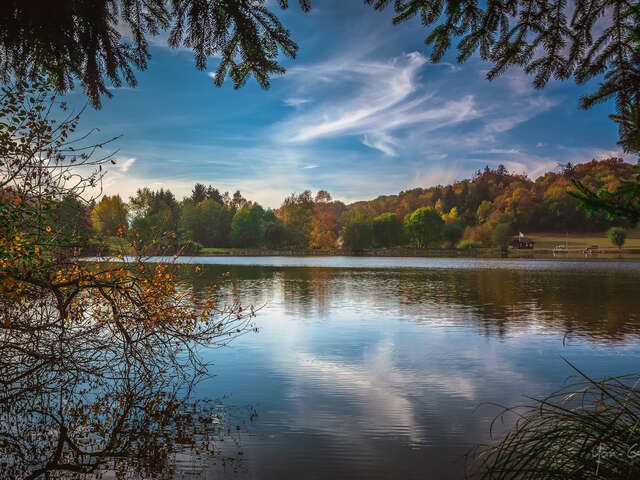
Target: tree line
[
  {"x": 81, "y": 44},
  {"x": 483, "y": 211}
]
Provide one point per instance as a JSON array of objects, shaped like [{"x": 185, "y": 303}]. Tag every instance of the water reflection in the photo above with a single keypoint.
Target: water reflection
[
  {"x": 599, "y": 305},
  {"x": 378, "y": 370},
  {"x": 387, "y": 372},
  {"x": 86, "y": 395},
  {"x": 69, "y": 424}
]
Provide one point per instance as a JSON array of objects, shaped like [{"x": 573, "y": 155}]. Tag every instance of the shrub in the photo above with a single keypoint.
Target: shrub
[
  {"x": 501, "y": 236},
  {"x": 617, "y": 236},
  {"x": 480, "y": 235},
  {"x": 469, "y": 244}
]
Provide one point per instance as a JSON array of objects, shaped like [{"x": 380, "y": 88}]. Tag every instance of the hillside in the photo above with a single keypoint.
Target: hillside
[{"x": 540, "y": 205}]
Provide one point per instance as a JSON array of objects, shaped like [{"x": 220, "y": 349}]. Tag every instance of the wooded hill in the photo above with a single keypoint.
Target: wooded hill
[
  {"x": 540, "y": 205},
  {"x": 484, "y": 210}
]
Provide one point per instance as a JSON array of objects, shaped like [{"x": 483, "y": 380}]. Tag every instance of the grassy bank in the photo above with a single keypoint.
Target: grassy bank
[
  {"x": 545, "y": 243},
  {"x": 579, "y": 241},
  {"x": 373, "y": 252}
]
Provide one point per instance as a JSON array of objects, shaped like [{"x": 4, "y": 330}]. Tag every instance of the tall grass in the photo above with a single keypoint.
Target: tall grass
[{"x": 588, "y": 429}]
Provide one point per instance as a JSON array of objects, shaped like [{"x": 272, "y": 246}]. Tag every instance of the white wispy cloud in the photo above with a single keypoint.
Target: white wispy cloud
[
  {"x": 531, "y": 165},
  {"x": 388, "y": 97},
  {"x": 436, "y": 175},
  {"x": 505, "y": 116},
  {"x": 389, "y": 107},
  {"x": 124, "y": 164},
  {"x": 352, "y": 115},
  {"x": 381, "y": 141},
  {"x": 296, "y": 101},
  {"x": 504, "y": 151},
  {"x": 587, "y": 153}
]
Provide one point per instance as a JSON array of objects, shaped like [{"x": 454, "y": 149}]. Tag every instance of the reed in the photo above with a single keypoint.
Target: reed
[{"x": 588, "y": 429}]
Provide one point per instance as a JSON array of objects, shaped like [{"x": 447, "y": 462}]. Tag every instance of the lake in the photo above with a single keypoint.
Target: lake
[{"x": 386, "y": 367}]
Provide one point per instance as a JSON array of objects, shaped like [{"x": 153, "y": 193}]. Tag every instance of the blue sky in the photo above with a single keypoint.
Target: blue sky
[{"x": 361, "y": 112}]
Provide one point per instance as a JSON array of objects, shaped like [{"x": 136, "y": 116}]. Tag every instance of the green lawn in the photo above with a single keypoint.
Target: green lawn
[
  {"x": 576, "y": 243},
  {"x": 214, "y": 250},
  {"x": 580, "y": 241}
]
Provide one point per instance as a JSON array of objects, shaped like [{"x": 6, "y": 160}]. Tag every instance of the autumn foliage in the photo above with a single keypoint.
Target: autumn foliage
[
  {"x": 470, "y": 210},
  {"x": 93, "y": 355}
]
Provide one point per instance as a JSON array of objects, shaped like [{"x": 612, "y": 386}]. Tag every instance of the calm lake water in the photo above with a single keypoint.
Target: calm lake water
[{"x": 383, "y": 367}]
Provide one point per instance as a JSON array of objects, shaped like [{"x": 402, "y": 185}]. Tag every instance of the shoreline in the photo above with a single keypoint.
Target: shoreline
[{"x": 608, "y": 254}]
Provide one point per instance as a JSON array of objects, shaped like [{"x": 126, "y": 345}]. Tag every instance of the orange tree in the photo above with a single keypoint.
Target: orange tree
[{"x": 95, "y": 357}]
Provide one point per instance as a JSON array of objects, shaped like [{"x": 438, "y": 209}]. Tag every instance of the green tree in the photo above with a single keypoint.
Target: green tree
[
  {"x": 483, "y": 211},
  {"x": 207, "y": 222},
  {"x": 189, "y": 220},
  {"x": 81, "y": 39},
  {"x": 357, "y": 233},
  {"x": 199, "y": 193},
  {"x": 296, "y": 213},
  {"x": 148, "y": 203},
  {"x": 141, "y": 205},
  {"x": 215, "y": 224},
  {"x": 558, "y": 207},
  {"x": 154, "y": 212},
  {"x": 387, "y": 230},
  {"x": 214, "y": 194},
  {"x": 275, "y": 235},
  {"x": 109, "y": 214},
  {"x": 72, "y": 216},
  {"x": 452, "y": 232},
  {"x": 246, "y": 227},
  {"x": 617, "y": 236},
  {"x": 501, "y": 236},
  {"x": 424, "y": 227},
  {"x": 236, "y": 202}
]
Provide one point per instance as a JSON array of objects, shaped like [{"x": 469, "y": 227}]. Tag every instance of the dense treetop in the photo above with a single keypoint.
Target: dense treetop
[
  {"x": 542, "y": 204},
  {"x": 104, "y": 40},
  {"x": 468, "y": 212}
]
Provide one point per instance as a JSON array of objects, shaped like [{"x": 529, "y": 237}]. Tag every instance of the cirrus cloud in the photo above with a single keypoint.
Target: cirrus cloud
[{"x": 387, "y": 97}]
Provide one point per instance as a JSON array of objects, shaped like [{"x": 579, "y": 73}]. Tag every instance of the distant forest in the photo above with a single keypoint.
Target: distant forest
[{"x": 483, "y": 211}]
